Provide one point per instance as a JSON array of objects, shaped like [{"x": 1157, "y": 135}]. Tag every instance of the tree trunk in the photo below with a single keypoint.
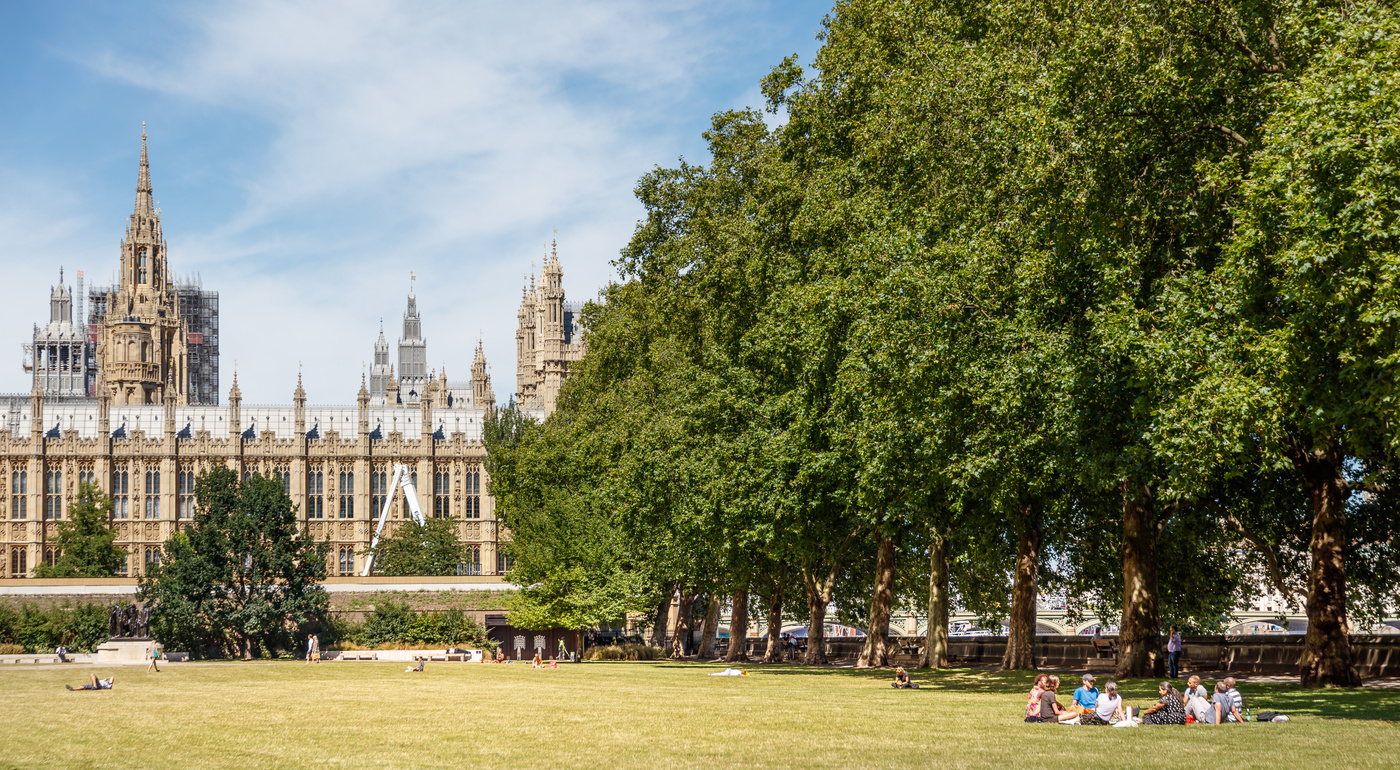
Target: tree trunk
[
  {"x": 1020, "y": 638},
  {"x": 818, "y": 597},
  {"x": 875, "y": 654},
  {"x": 936, "y": 637},
  {"x": 738, "y": 626},
  {"x": 1327, "y": 655},
  {"x": 681, "y": 642},
  {"x": 663, "y": 617},
  {"x": 710, "y": 628},
  {"x": 774, "y": 651},
  {"x": 1140, "y": 630}
]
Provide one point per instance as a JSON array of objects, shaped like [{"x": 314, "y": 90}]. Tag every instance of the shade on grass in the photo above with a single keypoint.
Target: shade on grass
[{"x": 630, "y": 715}]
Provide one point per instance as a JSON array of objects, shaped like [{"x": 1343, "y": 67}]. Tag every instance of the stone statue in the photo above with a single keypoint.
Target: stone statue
[
  {"x": 114, "y": 621},
  {"x": 129, "y": 621},
  {"x": 143, "y": 621}
]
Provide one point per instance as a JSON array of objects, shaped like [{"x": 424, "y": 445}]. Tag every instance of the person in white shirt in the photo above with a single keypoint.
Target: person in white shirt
[
  {"x": 1108, "y": 709},
  {"x": 1236, "y": 701}
]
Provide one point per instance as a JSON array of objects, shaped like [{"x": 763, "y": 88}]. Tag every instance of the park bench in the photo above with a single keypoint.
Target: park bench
[
  {"x": 1105, "y": 648},
  {"x": 358, "y": 656}
]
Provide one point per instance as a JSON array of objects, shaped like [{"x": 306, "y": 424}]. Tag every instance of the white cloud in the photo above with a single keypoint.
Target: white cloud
[{"x": 445, "y": 138}]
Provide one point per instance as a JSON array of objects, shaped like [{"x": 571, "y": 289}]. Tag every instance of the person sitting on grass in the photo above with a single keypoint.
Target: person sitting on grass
[
  {"x": 1108, "y": 707},
  {"x": 901, "y": 680},
  {"x": 1195, "y": 689},
  {"x": 1086, "y": 696},
  {"x": 1033, "y": 702},
  {"x": 1236, "y": 712},
  {"x": 1222, "y": 705},
  {"x": 1050, "y": 709},
  {"x": 1167, "y": 710},
  {"x": 95, "y": 684},
  {"x": 415, "y": 669},
  {"x": 500, "y": 655},
  {"x": 1198, "y": 709},
  {"x": 537, "y": 663}
]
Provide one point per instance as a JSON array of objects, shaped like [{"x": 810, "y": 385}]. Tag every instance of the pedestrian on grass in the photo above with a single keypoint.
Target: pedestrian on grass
[
  {"x": 1173, "y": 653},
  {"x": 153, "y": 652}
]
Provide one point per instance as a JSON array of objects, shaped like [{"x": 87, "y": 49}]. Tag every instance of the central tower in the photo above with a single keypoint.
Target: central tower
[
  {"x": 142, "y": 347},
  {"x": 413, "y": 353}
]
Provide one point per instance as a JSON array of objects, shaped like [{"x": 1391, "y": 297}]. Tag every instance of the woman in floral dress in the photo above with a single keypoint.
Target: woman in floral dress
[{"x": 1168, "y": 709}]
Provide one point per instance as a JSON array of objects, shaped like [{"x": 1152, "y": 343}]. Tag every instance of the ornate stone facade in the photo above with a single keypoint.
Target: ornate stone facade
[
  {"x": 143, "y": 439},
  {"x": 548, "y": 339},
  {"x": 335, "y": 463}
]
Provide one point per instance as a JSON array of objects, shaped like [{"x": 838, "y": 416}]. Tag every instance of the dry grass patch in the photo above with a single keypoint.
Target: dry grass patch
[{"x": 626, "y": 715}]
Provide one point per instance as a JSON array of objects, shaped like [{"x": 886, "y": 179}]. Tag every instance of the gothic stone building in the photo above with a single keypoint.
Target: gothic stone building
[
  {"x": 143, "y": 439},
  {"x": 548, "y": 339}
]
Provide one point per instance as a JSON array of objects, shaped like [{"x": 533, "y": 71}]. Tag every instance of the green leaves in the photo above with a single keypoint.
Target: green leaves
[{"x": 86, "y": 541}]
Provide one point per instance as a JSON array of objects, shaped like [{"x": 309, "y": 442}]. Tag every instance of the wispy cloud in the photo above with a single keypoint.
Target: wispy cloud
[{"x": 445, "y": 138}]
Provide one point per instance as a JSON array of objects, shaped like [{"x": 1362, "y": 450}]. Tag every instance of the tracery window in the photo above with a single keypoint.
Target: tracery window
[
  {"x": 152, "y": 557},
  {"x": 315, "y": 491},
  {"x": 504, "y": 563},
  {"x": 442, "y": 493},
  {"x": 403, "y": 505},
  {"x": 346, "y": 488},
  {"x": 142, "y": 268},
  {"x": 184, "y": 488},
  {"x": 19, "y": 490},
  {"x": 283, "y": 473},
  {"x": 86, "y": 475},
  {"x": 121, "y": 493},
  {"x": 472, "y": 488},
  {"x": 347, "y": 560},
  {"x": 471, "y": 561},
  {"x": 53, "y": 495},
  {"x": 19, "y": 562},
  {"x": 378, "y": 489},
  {"x": 51, "y": 556},
  {"x": 152, "y": 493}
]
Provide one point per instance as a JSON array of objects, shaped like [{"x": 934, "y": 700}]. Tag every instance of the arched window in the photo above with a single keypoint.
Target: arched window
[
  {"x": 347, "y": 561},
  {"x": 19, "y": 562},
  {"x": 378, "y": 489},
  {"x": 184, "y": 487},
  {"x": 121, "y": 493},
  {"x": 19, "y": 491},
  {"x": 142, "y": 268},
  {"x": 315, "y": 489},
  {"x": 346, "y": 489},
  {"x": 53, "y": 496},
  {"x": 442, "y": 493},
  {"x": 152, "y": 494}
]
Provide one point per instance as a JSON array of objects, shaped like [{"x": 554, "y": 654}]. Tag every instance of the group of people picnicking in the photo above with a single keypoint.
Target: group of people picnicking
[{"x": 1089, "y": 706}]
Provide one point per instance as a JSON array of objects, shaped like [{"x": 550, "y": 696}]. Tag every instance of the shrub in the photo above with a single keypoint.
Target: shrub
[
  {"x": 389, "y": 622},
  {"x": 11, "y": 649},
  {"x": 625, "y": 652}
]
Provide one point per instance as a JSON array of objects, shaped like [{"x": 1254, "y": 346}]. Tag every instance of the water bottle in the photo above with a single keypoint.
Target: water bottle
[{"x": 1247, "y": 716}]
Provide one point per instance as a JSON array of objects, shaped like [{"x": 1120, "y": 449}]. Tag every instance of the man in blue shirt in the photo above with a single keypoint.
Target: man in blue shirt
[{"x": 1087, "y": 694}]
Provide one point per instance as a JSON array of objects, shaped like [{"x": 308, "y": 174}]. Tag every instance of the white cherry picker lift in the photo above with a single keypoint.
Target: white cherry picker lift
[{"x": 402, "y": 480}]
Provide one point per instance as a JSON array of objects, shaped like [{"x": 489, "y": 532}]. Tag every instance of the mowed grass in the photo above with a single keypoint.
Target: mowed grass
[{"x": 288, "y": 714}]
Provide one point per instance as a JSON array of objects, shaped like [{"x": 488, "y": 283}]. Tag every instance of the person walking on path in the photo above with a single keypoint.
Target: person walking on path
[
  {"x": 1173, "y": 653},
  {"x": 153, "y": 652}
]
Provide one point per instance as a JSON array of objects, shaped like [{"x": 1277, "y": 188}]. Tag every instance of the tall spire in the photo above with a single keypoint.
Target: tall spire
[{"x": 143, "y": 179}]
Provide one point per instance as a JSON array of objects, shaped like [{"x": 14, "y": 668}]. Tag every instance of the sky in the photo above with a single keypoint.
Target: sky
[{"x": 309, "y": 156}]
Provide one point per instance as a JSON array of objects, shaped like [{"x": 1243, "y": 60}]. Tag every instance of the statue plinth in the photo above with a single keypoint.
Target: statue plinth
[{"x": 129, "y": 651}]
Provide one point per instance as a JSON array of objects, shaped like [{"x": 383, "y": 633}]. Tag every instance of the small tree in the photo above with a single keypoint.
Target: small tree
[
  {"x": 242, "y": 575},
  {"x": 86, "y": 540},
  {"x": 431, "y": 548}
]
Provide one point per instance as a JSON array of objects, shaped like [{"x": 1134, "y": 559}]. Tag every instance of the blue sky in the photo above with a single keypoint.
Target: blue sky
[{"x": 308, "y": 156}]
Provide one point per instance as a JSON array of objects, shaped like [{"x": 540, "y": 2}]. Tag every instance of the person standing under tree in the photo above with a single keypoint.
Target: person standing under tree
[{"x": 1173, "y": 653}]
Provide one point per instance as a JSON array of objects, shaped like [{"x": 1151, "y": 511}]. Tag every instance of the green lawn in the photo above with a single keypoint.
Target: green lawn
[{"x": 247, "y": 715}]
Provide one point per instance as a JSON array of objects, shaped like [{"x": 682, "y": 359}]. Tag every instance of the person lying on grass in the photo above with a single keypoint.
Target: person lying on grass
[
  {"x": 901, "y": 680},
  {"x": 95, "y": 684}
]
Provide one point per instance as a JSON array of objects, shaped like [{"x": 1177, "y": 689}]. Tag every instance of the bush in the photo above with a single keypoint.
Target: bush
[
  {"x": 79, "y": 627},
  {"x": 11, "y": 649},
  {"x": 625, "y": 652},
  {"x": 389, "y": 622}
]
